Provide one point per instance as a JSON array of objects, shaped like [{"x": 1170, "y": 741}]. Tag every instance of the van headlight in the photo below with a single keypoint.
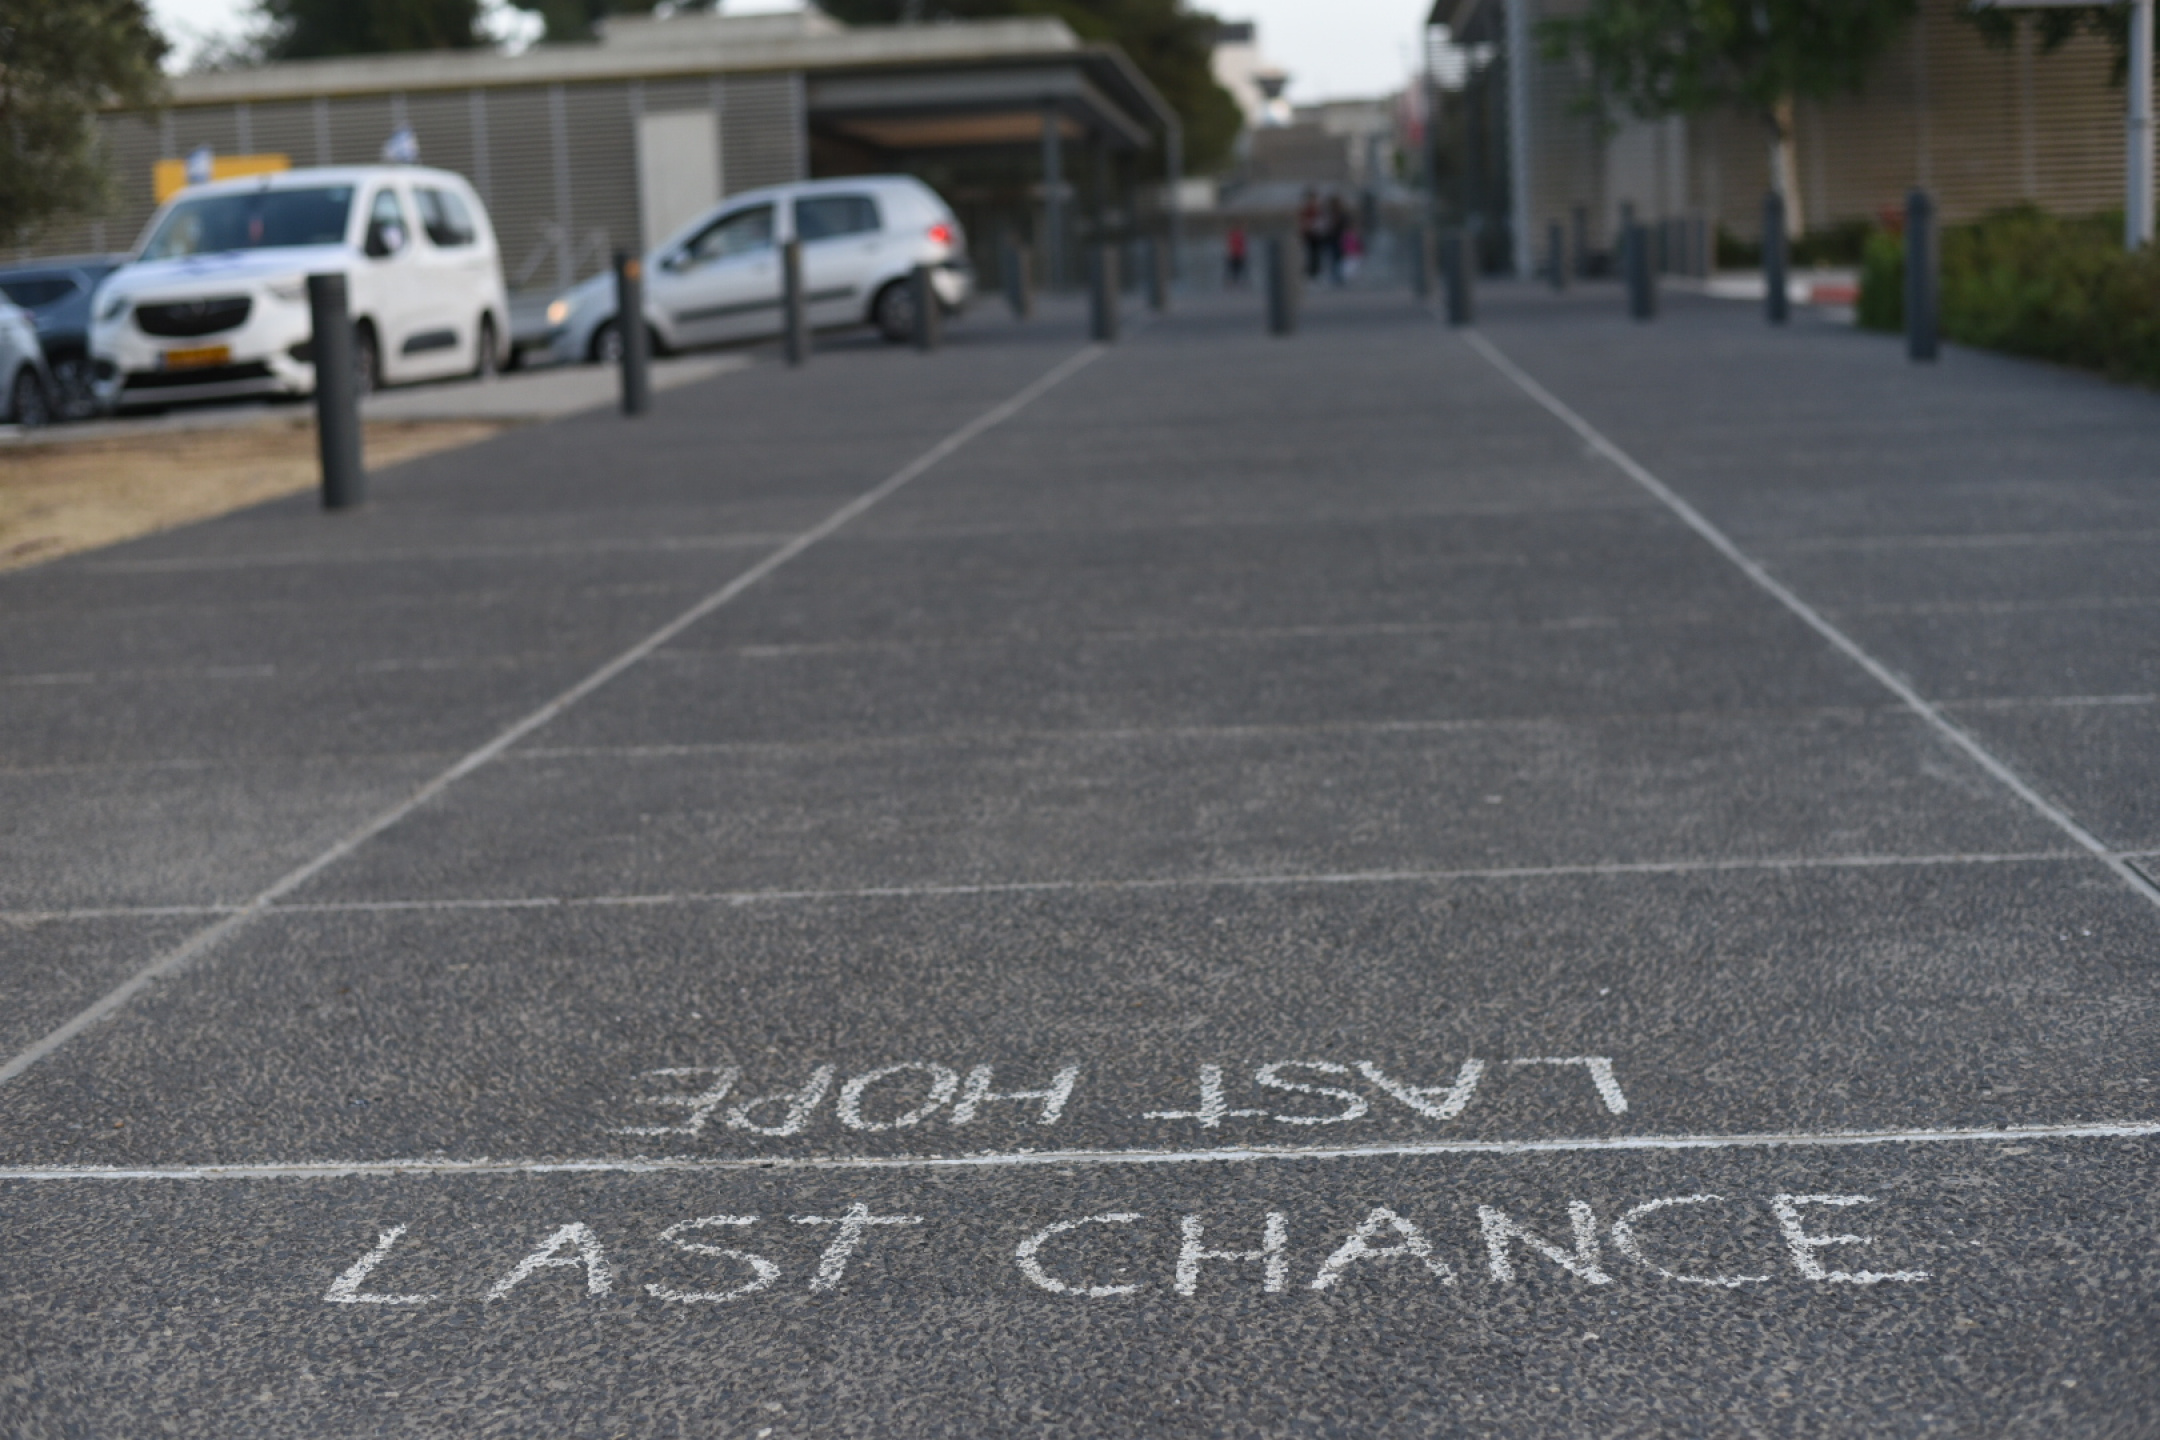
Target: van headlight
[
  {"x": 114, "y": 309},
  {"x": 290, "y": 292},
  {"x": 558, "y": 311}
]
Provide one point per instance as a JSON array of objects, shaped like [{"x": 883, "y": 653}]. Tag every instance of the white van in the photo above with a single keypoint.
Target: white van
[
  {"x": 215, "y": 302},
  {"x": 717, "y": 278}
]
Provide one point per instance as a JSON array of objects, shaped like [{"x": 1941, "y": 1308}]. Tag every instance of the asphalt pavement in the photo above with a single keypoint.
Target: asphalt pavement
[{"x": 1572, "y": 878}]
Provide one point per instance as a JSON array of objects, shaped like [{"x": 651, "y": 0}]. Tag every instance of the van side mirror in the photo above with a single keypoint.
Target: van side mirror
[{"x": 385, "y": 240}]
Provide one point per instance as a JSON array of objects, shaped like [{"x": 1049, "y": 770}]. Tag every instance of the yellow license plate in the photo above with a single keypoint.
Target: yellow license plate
[{"x": 200, "y": 355}]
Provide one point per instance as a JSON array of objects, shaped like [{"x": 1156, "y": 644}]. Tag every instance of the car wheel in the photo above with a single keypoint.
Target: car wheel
[
  {"x": 487, "y": 364},
  {"x": 893, "y": 312},
  {"x": 606, "y": 347},
  {"x": 29, "y": 404},
  {"x": 367, "y": 360},
  {"x": 76, "y": 398}
]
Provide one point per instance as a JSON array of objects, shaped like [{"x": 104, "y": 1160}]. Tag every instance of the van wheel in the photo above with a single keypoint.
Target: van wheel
[
  {"x": 893, "y": 312},
  {"x": 367, "y": 360},
  {"x": 487, "y": 363},
  {"x": 29, "y": 405}
]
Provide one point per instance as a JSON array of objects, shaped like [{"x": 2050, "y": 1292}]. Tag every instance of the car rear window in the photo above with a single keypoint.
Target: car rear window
[
  {"x": 34, "y": 291},
  {"x": 256, "y": 220},
  {"x": 822, "y": 217}
]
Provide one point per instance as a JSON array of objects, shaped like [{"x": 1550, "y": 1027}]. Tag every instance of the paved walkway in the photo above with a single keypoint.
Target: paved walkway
[{"x": 1385, "y": 883}]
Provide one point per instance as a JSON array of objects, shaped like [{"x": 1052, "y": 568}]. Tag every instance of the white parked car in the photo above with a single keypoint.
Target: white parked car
[
  {"x": 718, "y": 277},
  {"x": 26, "y": 388},
  {"x": 215, "y": 301}
]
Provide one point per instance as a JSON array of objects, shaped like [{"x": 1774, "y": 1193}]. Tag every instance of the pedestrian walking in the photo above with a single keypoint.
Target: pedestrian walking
[
  {"x": 1353, "y": 253},
  {"x": 1334, "y": 225},
  {"x": 1311, "y": 223},
  {"x": 1234, "y": 256}
]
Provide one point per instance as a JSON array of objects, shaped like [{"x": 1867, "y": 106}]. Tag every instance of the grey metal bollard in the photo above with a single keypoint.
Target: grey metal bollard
[
  {"x": 1019, "y": 284},
  {"x": 1103, "y": 294},
  {"x": 1282, "y": 282},
  {"x": 1156, "y": 254},
  {"x": 1920, "y": 261},
  {"x": 630, "y": 326},
  {"x": 337, "y": 396},
  {"x": 794, "y": 307},
  {"x": 1556, "y": 256},
  {"x": 1777, "y": 291},
  {"x": 1641, "y": 274},
  {"x": 1455, "y": 274},
  {"x": 929, "y": 313}
]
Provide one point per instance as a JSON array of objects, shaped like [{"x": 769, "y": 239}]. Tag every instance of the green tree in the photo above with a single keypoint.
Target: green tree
[
  {"x": 1657, "y": 58},
  {"x": 1172, "y": 45},
  {"x": 313, "y": 29},
  {"x": 60, "y": 62},
  {"x": 2056, "y": 26}
]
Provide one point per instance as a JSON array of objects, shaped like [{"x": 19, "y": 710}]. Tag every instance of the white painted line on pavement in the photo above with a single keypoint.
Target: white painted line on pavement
[
  {"x": 189, "y": 564},
  {"x": 1035, "y": 1159},
  {"x": 1199, "y": 882},
  {"x": 208, "y": 938},
  {"x": 1260, "y": 731},
  {"x": 2002, "y": 607},
  {"x": 1033, "y": 887},
  {"x": 387, "y": 665},
  {"x": 1809, "y": 615},
  {"x": 114, "y": 912},
  {"x": 1966, "y": 542},
  {"x": 2040, "y": 702}
]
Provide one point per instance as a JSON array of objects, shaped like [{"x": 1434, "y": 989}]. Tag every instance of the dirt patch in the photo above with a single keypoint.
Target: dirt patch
[{"x": 61, "y": 496}]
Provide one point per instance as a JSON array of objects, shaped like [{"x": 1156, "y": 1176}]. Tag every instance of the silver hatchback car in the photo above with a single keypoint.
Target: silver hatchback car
[
  {"x": 717, "y": 278},
  {"x": 26, "y": 385}
]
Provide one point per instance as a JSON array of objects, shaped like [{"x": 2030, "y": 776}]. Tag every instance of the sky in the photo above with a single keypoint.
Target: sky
[{"x": 1333, "y": 49}]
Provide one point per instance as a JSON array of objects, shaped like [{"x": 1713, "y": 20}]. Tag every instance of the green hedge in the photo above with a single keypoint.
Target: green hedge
[
  {"x": 1882, "y": 282},
  {"x": 2034, "y": 284}
]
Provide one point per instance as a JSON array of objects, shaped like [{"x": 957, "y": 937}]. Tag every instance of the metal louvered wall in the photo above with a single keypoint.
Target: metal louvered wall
[
  {"x": 520, "y": 194},
  {"x": 1983, "y": 128},
  {"x": 556, "y": 164},
  {"x": 764, "y": 136},
  {"x": 1980, "y": 127}
]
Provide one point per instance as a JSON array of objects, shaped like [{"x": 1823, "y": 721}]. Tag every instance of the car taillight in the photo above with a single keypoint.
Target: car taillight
[{"x": 941, "y": 233}]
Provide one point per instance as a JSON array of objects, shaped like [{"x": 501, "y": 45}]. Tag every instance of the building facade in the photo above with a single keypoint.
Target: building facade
[
  {"x": 582, "y": 149},
  {"x": 1980, "y": 127}
]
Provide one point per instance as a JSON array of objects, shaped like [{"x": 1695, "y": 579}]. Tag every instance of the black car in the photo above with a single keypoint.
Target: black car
[{"x": 57, "y": 295}]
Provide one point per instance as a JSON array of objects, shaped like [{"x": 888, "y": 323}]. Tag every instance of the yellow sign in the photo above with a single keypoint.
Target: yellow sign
[{"x": 169, "y": 177}]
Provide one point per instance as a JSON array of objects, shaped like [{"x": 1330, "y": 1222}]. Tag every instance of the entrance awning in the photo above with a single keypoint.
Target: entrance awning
[{"x": 1090, "y": 93}]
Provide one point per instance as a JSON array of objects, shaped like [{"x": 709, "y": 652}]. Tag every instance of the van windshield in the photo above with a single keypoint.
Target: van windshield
[{"x": 256, "y": 220}]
